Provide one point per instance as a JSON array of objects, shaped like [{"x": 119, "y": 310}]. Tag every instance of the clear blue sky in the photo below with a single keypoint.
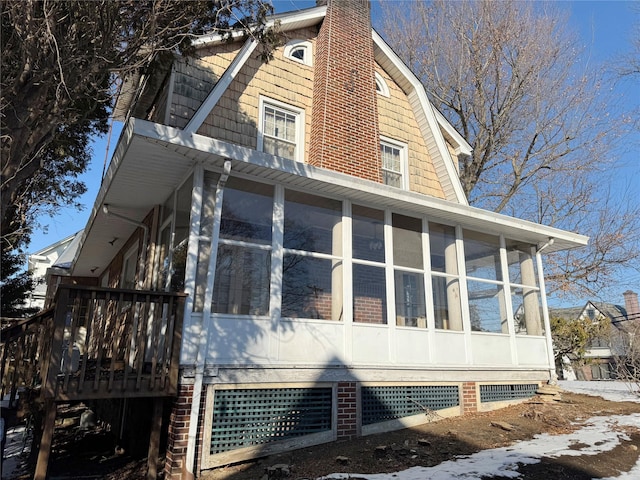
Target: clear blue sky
[{"x": 605, "y": 28}]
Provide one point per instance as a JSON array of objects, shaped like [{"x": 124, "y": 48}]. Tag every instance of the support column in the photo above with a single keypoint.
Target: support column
[
  {"x": 46, "y": 440},
  {"x": 531, "y": 303},
  {"x": 154, "y": 439},
  {"x": 453, "y": 284},
  {"x": 347, "y": 410}
]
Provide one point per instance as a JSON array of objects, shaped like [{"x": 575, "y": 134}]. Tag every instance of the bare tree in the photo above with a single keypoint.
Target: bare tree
[
  {"x": 509, "y": 77},
  {"x": 60, "y": 60}
]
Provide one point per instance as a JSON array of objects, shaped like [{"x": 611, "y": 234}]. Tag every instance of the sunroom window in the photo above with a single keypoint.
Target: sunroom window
[
  {"x": 243, "y": 267},
  {"x": 445, "y": 282},
  {"x": 525, "y": 293},
  {"x": 487, "y": 308},
  {"x": 408, "y": 272},
  {"x": 280, "y": 130},
  {"x": 369, "y": 282},
  {"x": 312, "y": 262}
]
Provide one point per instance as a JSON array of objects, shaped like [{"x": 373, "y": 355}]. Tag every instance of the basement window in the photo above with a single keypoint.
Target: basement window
[{"x": 299, "y": 51}]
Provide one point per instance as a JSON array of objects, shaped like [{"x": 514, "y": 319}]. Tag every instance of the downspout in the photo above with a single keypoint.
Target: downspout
[
  {"x": 189, "y": 463},
  {"x": 553, "y": 375},
  {"x": 145, "y": 239}
]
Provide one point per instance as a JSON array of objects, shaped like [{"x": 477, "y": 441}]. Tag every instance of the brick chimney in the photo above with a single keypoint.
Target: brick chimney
[
  {"x": 344, "y": 122},
  {"x": 631, "y": 305}
]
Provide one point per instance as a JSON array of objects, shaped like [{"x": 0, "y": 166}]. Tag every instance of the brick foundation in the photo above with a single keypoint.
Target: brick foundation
[
  {"x": 469, "y": 398},
  {"x": 347, "y": 410},
  {"x": 178, "y": 430}
]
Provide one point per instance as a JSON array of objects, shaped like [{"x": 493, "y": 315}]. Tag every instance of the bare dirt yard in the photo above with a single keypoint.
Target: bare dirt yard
[{"x": 427, "y": 445}]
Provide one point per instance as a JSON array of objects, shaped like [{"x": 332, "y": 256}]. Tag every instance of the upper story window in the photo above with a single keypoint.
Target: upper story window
[
  {"x": 299, "y": 51},
  {"x": 280, "y": 130},
  {"x": 394, "y": 159},
  {"x": 381, "y": 85}
]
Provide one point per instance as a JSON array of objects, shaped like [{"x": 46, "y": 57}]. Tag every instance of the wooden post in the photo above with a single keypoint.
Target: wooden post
[
  {"x": 154, "y": 439},
  {"x": 46, "y": 440}
]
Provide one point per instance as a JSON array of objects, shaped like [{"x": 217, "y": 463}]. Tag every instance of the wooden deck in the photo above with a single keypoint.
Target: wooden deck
[{"x": 97, "y": 343}]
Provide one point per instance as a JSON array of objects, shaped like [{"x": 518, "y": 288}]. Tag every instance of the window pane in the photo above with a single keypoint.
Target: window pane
[
  {"x": 242, "y": 281},
  {"x": 482, "y": 255},
  {"x": 522, "y": 267},
  {"x": 368, "y": 233},
  {"x": 392, "y": 179},
  {"x": 410, "y": 302},
  {"x": 526, "y": 311},
  {"x": 307, "y": 288},
  {"x": 279, "y": 148},
  {"x": 298, "y": 53},
  {"x": 390, "y": 158},
  {"x": 279, "y": 132},
  {"x": 247, "y": 211},
  {"x": 407, "y": 241},
  {"x": 369, "y": 295},
  {"x": 312, "y": 223},
  {"x": 129, "y": 265},
  {"x": 487, "y": 307},
  {"x": 442, "y": 242},
  {"x": 446, "y": 303}
]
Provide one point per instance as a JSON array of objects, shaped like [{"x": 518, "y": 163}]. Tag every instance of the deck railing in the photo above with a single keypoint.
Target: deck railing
[
  {"x": 99, "y": 343},
  {"x": 22, "y": 347}
]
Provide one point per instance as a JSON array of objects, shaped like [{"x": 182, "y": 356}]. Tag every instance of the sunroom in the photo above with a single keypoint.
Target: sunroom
[{"x": 299, "y": 259}]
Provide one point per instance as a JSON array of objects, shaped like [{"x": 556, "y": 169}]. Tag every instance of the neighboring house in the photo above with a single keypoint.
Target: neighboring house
[
  {"x": 58, "y": 255},
  {"x": 603, "y": 351},
  {"x": 338, "y": 282}
]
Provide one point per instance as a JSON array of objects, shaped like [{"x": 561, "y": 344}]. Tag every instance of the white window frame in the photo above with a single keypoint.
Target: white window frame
[
  {"x": 404, "y": 168},
  {"x": 294, "y": 45},
  {"x": 381, "y": 86},
  {"x": 300, "y": 122}
]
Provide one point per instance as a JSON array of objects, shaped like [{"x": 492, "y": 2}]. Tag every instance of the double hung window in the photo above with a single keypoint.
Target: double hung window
[
  {"x": 281, "y": 130},
  {"x": 394, "y": 159}
]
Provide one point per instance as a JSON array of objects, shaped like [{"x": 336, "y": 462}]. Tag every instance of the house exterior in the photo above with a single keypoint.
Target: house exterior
[
  {"x": 58, "y": 255},
  {"x": 604, "y": 351},
  {"x": 338, "y": 282}
]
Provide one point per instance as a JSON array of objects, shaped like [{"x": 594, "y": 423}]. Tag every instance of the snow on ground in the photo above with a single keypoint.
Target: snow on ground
[
  {"x": 609, "y": 390},
  {"x": 600, "y": 434}
]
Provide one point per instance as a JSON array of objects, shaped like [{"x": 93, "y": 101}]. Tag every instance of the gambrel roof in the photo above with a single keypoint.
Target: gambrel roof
[
  {"x": 152, "y": 159},
  {"x": 433, "y": 125}
]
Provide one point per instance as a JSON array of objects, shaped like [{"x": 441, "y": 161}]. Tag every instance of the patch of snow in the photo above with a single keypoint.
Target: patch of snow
[
  {"x": 609, "y": 390},
  {"x": 599, "y": 434}
]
